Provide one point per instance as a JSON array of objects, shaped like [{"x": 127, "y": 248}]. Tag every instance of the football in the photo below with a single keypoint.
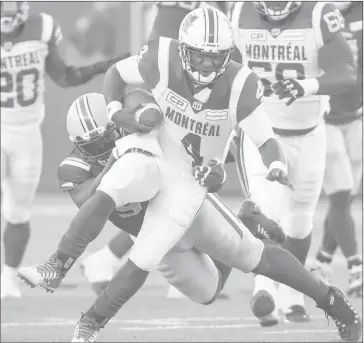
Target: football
[{"x": 149, "y": 114}]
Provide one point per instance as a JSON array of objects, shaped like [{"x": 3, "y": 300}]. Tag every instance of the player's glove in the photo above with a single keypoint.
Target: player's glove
[
  {"x": 211, "y": 176},
  {"x": 290, "y": 88},
  {"x": 278, "y": 172},
  {"x": 259, "y": 224}
]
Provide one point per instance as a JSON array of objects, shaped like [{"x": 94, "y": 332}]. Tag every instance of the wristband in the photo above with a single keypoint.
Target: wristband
[
  {"x": 278, "y": 165},
  {"x": 112, "y": 108},
  {"x": 310, "y": 86}
]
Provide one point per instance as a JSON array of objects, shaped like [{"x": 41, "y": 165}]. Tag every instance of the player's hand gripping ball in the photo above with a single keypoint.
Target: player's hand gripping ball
[{"x": 147, "y": 112}]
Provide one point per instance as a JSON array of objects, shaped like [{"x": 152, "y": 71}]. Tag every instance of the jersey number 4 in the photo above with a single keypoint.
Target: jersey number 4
[{"x": 22, "y": 88}]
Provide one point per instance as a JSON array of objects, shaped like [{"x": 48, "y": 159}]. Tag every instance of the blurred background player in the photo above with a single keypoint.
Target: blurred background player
[
  {"x": 29, "y": 50},
  {"x": 296, "y": 48},
  {"x": 344, "y": 169}
]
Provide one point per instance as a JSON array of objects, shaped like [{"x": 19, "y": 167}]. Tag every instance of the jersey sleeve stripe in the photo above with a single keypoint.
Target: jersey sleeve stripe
[
  {"x": 316, "y": 23},
  {"x": 240, "y": 165},
  {"x": 236, "y": 89},
  {"x": 163, "y": 66},
  {"x": 76, "y": 163},
  {"x": 47, "y": 27}
]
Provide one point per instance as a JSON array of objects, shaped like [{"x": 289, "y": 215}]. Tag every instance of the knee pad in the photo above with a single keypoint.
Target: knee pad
[
  {"x": 16, "y": 204},
  {"x": 298, "y": 224}
]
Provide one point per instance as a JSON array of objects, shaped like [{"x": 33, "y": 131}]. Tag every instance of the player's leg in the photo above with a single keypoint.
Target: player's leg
[
  {"x": 354, "y": 144},
  {"x": 268, "y": 196},
  {"x": 194, "y": 274},
  {"x": 132, "y": 178},
  {"x": 100, "y": 267},
  {"x": 307, "y": 165},
  {"x": 168, "y": 217},
  {"x": 344, "y": 145},
  {"x": 18, "y": 192},
  {"x": 220, "y": 239}
]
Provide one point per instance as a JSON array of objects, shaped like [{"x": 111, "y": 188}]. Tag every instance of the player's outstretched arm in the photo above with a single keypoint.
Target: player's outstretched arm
[{"x": 68, "y": 76}]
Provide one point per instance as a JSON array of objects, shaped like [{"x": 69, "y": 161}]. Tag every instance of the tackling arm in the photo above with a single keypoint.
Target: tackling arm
[
  {"x": 336, "y": 59},
  {"x": 69, "y": 76}
]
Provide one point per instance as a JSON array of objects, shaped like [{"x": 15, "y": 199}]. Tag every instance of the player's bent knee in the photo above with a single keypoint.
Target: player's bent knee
[
  {"x": 16, "y": 214},
  {"x": 133, "y": 178},
  {"x": 298, "y": 224},
  {"x": 194, "y": 274}
]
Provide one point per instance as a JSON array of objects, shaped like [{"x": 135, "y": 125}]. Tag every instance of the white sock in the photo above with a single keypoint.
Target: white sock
[
  {"x": 266, "y": 284},
  {"x": 9, "y": 272}
]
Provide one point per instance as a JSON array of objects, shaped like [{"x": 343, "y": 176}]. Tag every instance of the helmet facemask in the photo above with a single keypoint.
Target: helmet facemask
[
  {"x": 204, "y": 67},
  {"x": 277, "y": 10},
  {"x": 13, "y": 15},
  {"x": 97, "y": 145}
]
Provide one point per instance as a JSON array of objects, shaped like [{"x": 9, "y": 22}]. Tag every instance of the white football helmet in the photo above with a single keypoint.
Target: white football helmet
[
  {"x": 206, "y": 43},
  {"x": 13, "y": 14},
  {"x": 277, "y": 10},
  {"x": 89, "y": 128}
]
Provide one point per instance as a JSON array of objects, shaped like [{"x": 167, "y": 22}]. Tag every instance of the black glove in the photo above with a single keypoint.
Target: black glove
[
  {"x": 211, "y": 176},
  {"x": 259, "y": 224},
  {"x": 289, "y": 88}
]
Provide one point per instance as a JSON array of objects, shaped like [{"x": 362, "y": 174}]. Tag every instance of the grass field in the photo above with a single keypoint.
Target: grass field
[{"x": 149, "y": 316}]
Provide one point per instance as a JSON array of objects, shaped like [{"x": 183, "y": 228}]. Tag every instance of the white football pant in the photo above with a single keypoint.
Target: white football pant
[
  {"x": 21, "y": 167},
  {"x": 294, "y": 210},
  {"x": 344, "y": 157}
]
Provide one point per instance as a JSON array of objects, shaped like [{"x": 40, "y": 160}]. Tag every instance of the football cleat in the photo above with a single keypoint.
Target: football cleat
[
  {"x": 296, "y": 314},
  {"x": 47, "y": 275},
  {"x": 355, "y": 281},
  {"x": 86, "y": 330},
  {"x": 264, "y": 308},
  {"x": 347, "y": 320},
  {"x": 322, "y": 271},
  {"x": 259, "y": 224}
]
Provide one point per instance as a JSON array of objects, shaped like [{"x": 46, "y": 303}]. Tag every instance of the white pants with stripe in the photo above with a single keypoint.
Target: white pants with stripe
[
  {"x": 344, "y": 157},
  {"x": 293, "y": 209},
  {"x": 216, "y": 233},
  {"x": 21, "y": 167}
]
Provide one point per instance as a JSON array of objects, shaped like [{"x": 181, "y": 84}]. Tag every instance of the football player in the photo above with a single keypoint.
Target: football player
[
  {"x": 77, "y": 175},
  {"x": 302, "y": 57},
  {"x": 203, "y": 96},
  {"x": 344, "y": 169},
  {"x": 29, "y": 49},
  {"x": 168, "y": 19}
]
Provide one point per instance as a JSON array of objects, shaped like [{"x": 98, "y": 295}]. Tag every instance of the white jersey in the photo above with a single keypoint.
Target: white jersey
[
  {"x": 23, "y": 67},
  {"x": 197, "y": 128},
  {"x": 290, "y": 50}
]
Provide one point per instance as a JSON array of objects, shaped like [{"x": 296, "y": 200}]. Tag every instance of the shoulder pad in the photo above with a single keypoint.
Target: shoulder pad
[
  {"x": 151, "y": 57},
  {"x": 51, "y": 31},
  {"x": 327, "y": 21}
]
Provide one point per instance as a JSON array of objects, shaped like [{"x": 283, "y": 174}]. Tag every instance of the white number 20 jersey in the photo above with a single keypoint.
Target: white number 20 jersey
[{"x": 23, "y": 65}]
